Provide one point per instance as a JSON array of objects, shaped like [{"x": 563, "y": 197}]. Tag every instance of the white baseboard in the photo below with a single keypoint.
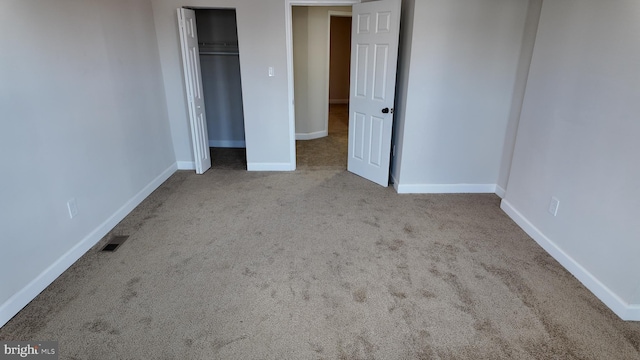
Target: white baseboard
[
  {"x": 620, "y": 307},
  {"x": 271, "y": 166},
  {"x": 311, "y": 136},
  {"x": 227, "y": 143},
  {"x": 500, "y": 191},
  {"x": 338, "y": 101},
  {"x": 445, "y": 188},
  {"x": 186, "y": 165},
  {"x": 20, "y": 299}
]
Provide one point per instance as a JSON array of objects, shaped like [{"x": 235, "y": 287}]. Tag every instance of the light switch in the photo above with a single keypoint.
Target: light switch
[{"x": 271, "y": 72}]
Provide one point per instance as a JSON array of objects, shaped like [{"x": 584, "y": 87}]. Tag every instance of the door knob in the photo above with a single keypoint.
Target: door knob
[{"x": 385, "y": 110}]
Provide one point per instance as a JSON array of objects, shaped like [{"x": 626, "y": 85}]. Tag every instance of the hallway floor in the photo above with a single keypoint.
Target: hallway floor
[{"x": 329, "y": 152}]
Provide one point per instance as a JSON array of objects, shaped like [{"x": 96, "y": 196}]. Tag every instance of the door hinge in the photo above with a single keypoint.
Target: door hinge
[{"x": 181, "y": 23}]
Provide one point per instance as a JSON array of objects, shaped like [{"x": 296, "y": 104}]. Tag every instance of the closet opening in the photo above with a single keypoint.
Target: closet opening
[{"x": 221, "y": 87}]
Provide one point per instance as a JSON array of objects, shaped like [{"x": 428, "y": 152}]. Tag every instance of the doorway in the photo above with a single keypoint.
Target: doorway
[{"x": 321, "y": 65}]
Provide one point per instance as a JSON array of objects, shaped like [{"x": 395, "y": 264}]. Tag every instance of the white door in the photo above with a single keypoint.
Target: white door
[
  {"x": 374, "y": 55},
  {"x": 193, "y": 85}
]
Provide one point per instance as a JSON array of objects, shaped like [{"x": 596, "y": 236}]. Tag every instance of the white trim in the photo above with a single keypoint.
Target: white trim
[
  {"x": 186, "y": 165},
  {"x": 19, "y": 300},
  {"x": 338, "y": 101},
  {"x": 445, "y": 188},
  {"x": 271, "y": 166},
  {"x": 500, "y": 191},
  {"x": 289, "y": 49},
  {"x": 227, "y": 143},
  {"x": 312, "y": 135},
  {"x": 288, "y": 24},
  {"x": 620, "y": 307}
]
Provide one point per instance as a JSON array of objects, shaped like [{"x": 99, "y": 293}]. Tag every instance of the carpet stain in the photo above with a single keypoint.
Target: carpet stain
[
  {"x": 218, "y": 343},
  {"x": 464, "y": 294},
  {"x": 422, "y": 347},
  {"x": 409, "y": 230},
  {"x": 560, "y": 344},
  {"x": 448, "y": 251},
  {"x": 372, "y": 223},
  {"x": 129, "y": 291},
  {"x": 393, "y": 245},
  {"x": 403, "y": 272},
  {"x": 427, "y": 294},
  {"x": 397, "y": 293},
  {"x": 360, "y": 295},
  {"x": 248, "y": 272},
  {"x": 317, "y": 348},
  {"x": 361, "y": 348},
  {"x": 96, "y": 326}
]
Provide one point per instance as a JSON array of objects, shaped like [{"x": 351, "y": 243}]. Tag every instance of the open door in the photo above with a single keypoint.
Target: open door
[
  {"x": 374, "y": 55},
  {"x": 193, "y": 85}
]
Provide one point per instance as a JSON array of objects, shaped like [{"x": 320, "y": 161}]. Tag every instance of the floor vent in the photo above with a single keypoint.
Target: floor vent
[{"x": 115, "y": 242}]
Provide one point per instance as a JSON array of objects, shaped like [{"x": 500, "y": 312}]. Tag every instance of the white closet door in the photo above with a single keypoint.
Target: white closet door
[{"x": 193, "y": 85}]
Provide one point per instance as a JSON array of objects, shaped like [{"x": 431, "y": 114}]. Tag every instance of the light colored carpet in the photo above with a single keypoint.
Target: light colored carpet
[{"x": 319, "y": 264}]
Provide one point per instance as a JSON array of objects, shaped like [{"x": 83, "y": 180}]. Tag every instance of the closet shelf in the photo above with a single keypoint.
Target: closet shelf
[{"x": 218, "y": 48}]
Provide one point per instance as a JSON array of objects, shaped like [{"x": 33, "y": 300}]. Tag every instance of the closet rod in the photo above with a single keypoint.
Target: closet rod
[
  {"x": 218, "y": 53},
  {"x": 219, "y": 43}
]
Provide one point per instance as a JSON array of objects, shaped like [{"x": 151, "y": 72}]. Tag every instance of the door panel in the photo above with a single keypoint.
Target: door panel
[
  {"x": 377, "y": 134},
  {"x": 380, "y": 72},
  {"x": 374, "y": 56},
  {"x": 193, "y": 85},
  {"x": 362, "y": 59}
]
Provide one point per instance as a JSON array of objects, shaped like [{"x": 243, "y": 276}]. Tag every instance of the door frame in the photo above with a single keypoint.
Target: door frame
[
  {"x": 184, "y": 165},
  {"x": 289, "y": 45}
]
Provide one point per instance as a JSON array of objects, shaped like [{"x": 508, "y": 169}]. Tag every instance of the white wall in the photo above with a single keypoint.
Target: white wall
[
  {"x": 83, "y": 116},
  {"x": 261, "y": 38},
  {"x": 578, "y": 141},
  {"x": 311, "y": 69},
  {"x": 460, "y": 85},
  {"x": 522, "y": 74}
]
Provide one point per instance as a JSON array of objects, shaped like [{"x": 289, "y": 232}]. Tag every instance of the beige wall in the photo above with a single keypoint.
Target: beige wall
[{"x": 339, "y": 59}]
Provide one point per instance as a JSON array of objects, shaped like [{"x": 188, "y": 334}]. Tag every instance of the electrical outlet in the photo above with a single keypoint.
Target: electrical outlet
[
  {"x": 72, "y": 207},
  {"x": 553, "y": 206}
]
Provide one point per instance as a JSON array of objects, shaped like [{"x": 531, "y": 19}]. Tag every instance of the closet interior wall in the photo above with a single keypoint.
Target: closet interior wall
[{"x": 220, "y": 67}]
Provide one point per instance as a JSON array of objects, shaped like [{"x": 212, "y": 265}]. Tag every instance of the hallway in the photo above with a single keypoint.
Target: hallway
[{"x": 329, "y": 152}]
